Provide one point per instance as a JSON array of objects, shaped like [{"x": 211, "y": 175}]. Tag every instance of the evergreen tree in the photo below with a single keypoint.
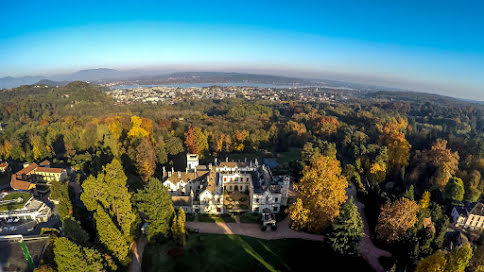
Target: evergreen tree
[
  {"x": 175, "y": 231},
  {"x": 71, "y": 257},
  {"x": 110, "y": 235},
  {"x": 154, "y": 202},
  {"x": 347, "y": 230},
  {"x": 454, "y": 190},
  {"x": 73, "y": 230},
  {"x": 181, "y": 227},
  {"x": 109, "y": 190},
  {"x": 409, "y": 193}
]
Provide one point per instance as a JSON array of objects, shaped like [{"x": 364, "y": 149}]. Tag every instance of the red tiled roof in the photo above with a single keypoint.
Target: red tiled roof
[
  {"x": 44, "y": 163},
  {"x": 28, "y": 169},
  {"x": 49, "y": 170},
  {"x": 4, "y": 165},
  {"x": 20, "y": 184}
]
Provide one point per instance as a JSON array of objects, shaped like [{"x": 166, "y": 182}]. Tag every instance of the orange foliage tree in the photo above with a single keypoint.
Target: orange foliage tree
[{"x": 321, "y": 191}]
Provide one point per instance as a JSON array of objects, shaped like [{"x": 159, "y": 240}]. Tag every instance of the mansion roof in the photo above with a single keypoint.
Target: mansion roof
[{"x": 478, "y": 209}]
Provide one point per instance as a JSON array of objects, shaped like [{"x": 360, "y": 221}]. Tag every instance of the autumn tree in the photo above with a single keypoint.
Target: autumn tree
[
  {"x": 321, "y": 191},
  {"x": 432, "y": 263},
  {"x": 396, "y": 218},
  {"x": 154, "y": 202},
  {"x": 424, "y": 201},
  {"x": 327, "y": 126},
  {"x": 346, "y": 231},
  {"x": 141, "y": 127},
  {"x": 398, "y": 146},
  {"x": 458, "y": 259},
  {"x": 444, "y": 161},
  {"x": 190, "y": 141},
  {"x": 145, "y": 159}
]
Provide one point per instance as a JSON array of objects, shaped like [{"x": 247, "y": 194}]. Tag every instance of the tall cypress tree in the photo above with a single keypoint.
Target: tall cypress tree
[
  {"x": 154, "y": 202},
  {"x": 181, "y": 227},
  {"x": 345, "y": 234},
  {"x": 110, "y": 235}
]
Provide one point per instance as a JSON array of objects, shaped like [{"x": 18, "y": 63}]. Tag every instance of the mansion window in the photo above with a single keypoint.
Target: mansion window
[
  {"x": 225, "y": 179},
  {"x": 230, "y": 188},
  {"x": 275, "y": 209},
  {"x": 256, "y": 200},
  {"x": 247, "y": 179},
  {"x": 219, "y": 210},
  {"x": 276, "y": 199}
]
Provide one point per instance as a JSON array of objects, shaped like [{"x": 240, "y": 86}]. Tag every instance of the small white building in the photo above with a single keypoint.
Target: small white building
[{"x": 471, "y": 220}]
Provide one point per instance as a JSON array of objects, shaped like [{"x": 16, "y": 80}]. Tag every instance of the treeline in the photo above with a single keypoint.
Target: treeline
[{"x": 429, "y": 150}]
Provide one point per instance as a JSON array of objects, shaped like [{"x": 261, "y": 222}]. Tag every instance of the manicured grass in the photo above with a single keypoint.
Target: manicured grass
[
  {"x": 25, "y": 197},
  {"x": 214, "y": 252},
  {"x": 250, "y": 218},
  {"x": 216, "y": 218}
]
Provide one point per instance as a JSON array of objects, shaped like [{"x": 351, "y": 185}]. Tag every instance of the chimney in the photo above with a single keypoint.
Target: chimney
[
  {"x": 215, "y": 161},
  {"x": 226, "y": 159},
  {"x": 169, "y": 174},
  {"x": 164, "y": 172},
  {"x": 210, "y": 166},
  {"x": 179, "y": 174},
  {"x": 172, "y": 171}
]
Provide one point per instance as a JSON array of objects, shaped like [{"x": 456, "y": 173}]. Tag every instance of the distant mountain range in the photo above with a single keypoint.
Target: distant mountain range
[{"x": 104, "y": 75}]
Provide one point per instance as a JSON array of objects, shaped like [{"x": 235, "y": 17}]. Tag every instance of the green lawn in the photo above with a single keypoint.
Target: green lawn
[
  {"x": 214, "y": 252},
  {"x": 250, "y": 218},
  {"x": 17, "y": 205},
  {"x": 216, "y": 218}
]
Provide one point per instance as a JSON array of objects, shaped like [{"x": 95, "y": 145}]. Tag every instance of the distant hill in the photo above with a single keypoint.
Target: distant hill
[
  {"x": 12, "y": 82},
  {"x": 51, "y": 82}
]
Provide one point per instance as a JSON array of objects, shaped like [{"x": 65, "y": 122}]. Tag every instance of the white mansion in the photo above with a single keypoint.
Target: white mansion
[{"x": 201, "y": 188}]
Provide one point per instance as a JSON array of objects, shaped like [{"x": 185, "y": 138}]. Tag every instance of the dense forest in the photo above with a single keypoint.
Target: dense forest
[{"x": 410, "y": 156}]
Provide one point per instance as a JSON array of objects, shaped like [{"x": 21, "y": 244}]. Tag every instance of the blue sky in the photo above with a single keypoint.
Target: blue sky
[{"x": 435, "y": 46}]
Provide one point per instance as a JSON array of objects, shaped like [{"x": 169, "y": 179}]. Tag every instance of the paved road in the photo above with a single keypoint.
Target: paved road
[
  {"x": 368, "y": 250},
  {"x": 253, "y": 230},
  {"x": 137, "y": 249}
]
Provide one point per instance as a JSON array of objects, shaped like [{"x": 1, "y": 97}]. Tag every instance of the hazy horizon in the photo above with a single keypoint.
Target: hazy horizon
[{"x": 408, "y": 45}]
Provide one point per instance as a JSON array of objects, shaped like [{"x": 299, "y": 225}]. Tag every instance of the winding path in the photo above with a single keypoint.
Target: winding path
[
  {"x": 137, "y": 249},
  {"x": 368, "y": 250}
]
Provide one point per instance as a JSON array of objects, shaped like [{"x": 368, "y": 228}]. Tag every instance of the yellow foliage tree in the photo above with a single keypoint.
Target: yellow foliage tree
[
  {"x": 432, "y": 263},
  {"x": 424, "y": 201},
  {"x": 396, "y": 218},
  {"x": 137, "y": 130},
  {"x": 321, "y": 191}
]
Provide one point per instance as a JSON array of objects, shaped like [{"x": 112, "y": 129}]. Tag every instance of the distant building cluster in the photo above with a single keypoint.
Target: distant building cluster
[{"x": 161, "y": 94}]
